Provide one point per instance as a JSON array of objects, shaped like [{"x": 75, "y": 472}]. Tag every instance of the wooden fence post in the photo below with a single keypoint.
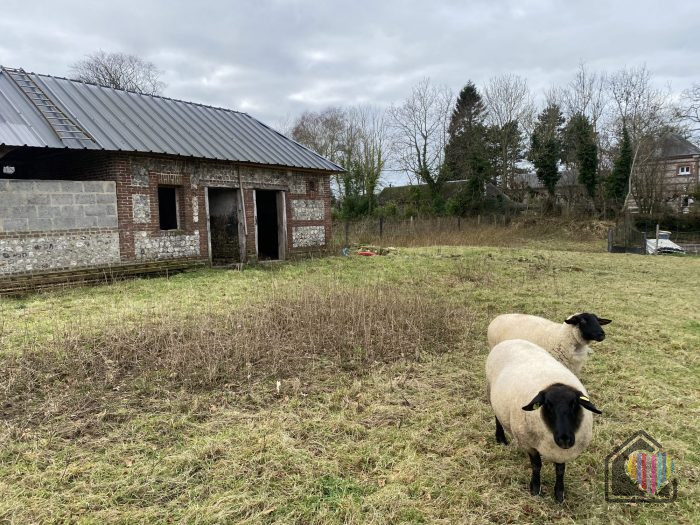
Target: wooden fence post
[
  {"x": 610, "y": 239},
  {"x": 347, "y": 232},
  {"x": 657, "y": 239},
  {"x": 381, "y": 227}
]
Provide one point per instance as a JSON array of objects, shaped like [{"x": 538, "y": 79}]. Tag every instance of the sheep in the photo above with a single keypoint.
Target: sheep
[
  {"x": 540, "y": 403},
  {"x": 567, "y": 342}
]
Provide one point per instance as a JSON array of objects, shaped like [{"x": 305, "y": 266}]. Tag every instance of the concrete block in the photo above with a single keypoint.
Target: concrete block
[
  {"x": 64, "y": 223},
  {"x": 20, "y": 185},
  {"x": 109, "y": 221},
  {"x": 21, "y": 212},
  {"x": 48, "y": 212},
  {"x": 89, "y": 222},
  {"x": 38, "y": 198},
  {"x": 71, "y": 186},
  {"x": 40, "y": 225},
  {"x": 61, "y": 199},
  {"x": 11, "y": 198},
  {"x": 14, "y": 225},
  {"x": 86, "y": 198},
  {"x": 94, "y": 210},
  {"x": 94, "y": 186},
  {"x": 45, "y": 186},
  {"x": 105, "y": 198}
]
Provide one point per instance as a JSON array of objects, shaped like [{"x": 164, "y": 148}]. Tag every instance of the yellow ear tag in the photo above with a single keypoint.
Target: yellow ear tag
[
  {"x": 536, "y": 406},
  {"x": 583, "y": 398}
]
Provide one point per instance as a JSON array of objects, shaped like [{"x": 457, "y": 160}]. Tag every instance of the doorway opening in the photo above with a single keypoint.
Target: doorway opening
[
  {"x": 223, "y": 226},
  {"x": 268, "y": 225}
]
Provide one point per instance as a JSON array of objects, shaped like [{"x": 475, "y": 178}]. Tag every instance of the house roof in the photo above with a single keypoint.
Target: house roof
[
  {"x": 673, "y": 145},
  {"x": 46, "y": 111}
]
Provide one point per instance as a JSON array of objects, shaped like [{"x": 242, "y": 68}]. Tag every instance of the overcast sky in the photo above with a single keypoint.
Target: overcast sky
[{"x": 275, "y": 58}]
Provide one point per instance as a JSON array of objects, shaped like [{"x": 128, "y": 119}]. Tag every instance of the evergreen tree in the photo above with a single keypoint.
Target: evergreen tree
[
  {"x": 581, "y": 151},
  {"x": 546, "y": 147},
  {"x": 466, "y": 156},
  {"x": 616, "y": 185}
]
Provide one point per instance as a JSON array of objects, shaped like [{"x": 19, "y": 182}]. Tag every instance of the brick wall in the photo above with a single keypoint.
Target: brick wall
[{"x": 134, "y": 179}]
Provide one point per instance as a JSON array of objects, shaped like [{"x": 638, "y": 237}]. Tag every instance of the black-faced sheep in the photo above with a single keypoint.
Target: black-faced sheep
[
  {"x": 542, "y": 404},
  {"x": 567, "y": 342}
]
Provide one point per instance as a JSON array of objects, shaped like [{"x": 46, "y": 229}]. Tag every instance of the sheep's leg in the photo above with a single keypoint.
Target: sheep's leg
[
  {"x": 500, "y": 435},
  {"x": 559, "y": 484},
  {"x": 536, "y": 462}
]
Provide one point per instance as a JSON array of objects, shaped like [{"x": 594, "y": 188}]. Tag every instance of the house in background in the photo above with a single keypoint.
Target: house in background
[
  {"x": 681, "y": 160},
  {"x": 94, "y": 176}
]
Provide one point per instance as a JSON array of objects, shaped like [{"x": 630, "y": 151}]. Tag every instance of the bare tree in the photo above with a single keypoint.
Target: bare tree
[
  {"x": 644, "y": 110},
  {"x": 419, "y": 127},
  {"x": 689, "y": 108},
  {"x": 372, "y": 147},
  {"x": 120, "y": 71},
  {"x": 648, "y": 185},
  {"x": 586, "y": 95},
  {"x": 325, "y": 132},
  {"x": 355, "y": 138},
  {"x": 508, "y": 99},
  {"x": 510, "y": 110}
]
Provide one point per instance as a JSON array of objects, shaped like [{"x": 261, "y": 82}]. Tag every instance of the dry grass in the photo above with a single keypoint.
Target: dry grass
[
  {"x": 292, "y": 332},
  {"x": 365, "y": 401},
  {"x": 541, "y": 232}
]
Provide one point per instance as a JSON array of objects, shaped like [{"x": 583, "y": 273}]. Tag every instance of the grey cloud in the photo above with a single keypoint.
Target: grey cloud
[{"x": 276, "y": 58}]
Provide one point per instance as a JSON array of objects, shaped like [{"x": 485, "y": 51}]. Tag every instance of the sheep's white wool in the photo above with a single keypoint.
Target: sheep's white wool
[
  {"x": 516, "y": 371},
  {"x": 563, "y": 340}
]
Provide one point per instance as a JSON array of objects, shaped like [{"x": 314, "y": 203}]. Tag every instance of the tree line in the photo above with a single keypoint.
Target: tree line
[
  {"x": 604, "y": 129},
  {"x": 599, "y": 128}
]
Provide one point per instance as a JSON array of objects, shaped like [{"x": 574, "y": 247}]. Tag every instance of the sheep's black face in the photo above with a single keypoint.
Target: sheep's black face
[
  {"x": 589, "y": 325},
  {"x": 562, "y": 411}
]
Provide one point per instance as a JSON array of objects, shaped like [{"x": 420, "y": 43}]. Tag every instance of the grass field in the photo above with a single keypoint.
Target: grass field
[{"x": 337, "y": 390}]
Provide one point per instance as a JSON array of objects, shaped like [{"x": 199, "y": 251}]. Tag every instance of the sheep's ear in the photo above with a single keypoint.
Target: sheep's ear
[
  {"x": 574, "y": 319},
  {"x": 535, "y": 403},
  {"x": 604, "y": 321},
  {"x": 586, "y": 403}
]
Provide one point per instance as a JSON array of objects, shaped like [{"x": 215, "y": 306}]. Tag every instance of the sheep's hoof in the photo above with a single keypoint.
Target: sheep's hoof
[
  {"x": 559, "y": 496},
  {"x": 501, "y": 439},
  {"x": 535, "y": 488}
]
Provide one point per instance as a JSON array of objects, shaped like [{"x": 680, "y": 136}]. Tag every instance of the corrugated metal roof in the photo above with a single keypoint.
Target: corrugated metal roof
[{"x": 120, "y": 120}]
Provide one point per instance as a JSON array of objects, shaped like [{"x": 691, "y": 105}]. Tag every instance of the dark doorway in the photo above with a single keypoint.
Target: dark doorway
[
  {"x": 266, "y": 209},
  {"x": 223, "y": 226}
]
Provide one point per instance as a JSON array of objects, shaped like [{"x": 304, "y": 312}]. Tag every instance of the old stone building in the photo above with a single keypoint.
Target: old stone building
[{"x": 93, "y": 176}]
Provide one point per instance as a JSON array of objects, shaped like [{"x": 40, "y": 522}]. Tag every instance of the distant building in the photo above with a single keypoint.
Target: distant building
[{"x": 682, "y": 170}]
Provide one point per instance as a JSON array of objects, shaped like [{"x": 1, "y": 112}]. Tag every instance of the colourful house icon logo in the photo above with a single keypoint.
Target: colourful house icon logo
[{"x": 640, "y": 471}]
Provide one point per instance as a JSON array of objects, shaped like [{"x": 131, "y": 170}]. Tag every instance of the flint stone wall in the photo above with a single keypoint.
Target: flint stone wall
[
  {"x": 307, "y": 209},
  {"x": 53, "y": 251},
  {"x": 308, "y": 236},
  {"x": 169, "y": 246}
]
